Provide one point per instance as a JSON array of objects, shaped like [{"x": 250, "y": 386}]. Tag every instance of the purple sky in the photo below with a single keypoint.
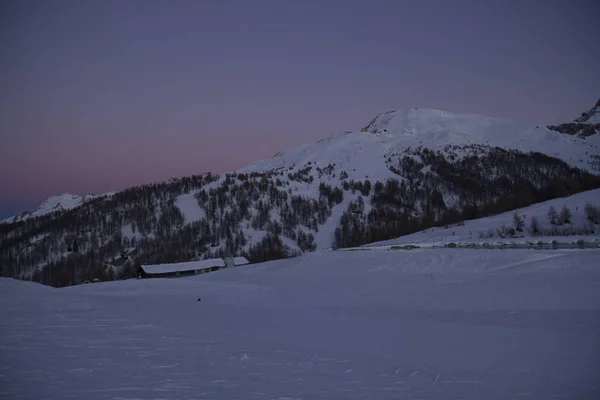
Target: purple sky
[{"x": 101, "y": 95}]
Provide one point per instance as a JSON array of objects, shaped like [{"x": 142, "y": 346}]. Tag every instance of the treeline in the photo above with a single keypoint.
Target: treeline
[
  {"x": 480, "y": 185},
  {"x": 145, "y": 225},
  {"x": 559, "y": 223}
]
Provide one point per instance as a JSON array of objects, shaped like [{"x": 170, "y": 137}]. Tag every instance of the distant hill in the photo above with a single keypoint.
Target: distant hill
[{"x": 64, "y": 202}]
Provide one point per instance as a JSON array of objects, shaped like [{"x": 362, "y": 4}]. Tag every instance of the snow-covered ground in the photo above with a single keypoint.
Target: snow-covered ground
[
  {"x": 469, "y": 232},
  {"x": 445, "y": 324},
  {"x": 189, "y": 207}
]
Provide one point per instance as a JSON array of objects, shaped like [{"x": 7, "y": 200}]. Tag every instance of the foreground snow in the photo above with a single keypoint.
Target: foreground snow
[{"x": 469, "y": 324}]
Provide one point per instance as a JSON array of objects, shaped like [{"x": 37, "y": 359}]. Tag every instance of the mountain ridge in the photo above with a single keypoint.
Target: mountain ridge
[
  {"x": 398, "y": 130},
  {"x": 586, "y": 125},
  {"x": 379, "y": 126},
  {"x": 591, "y": 116},
  {"x": 62, "y": 202}
]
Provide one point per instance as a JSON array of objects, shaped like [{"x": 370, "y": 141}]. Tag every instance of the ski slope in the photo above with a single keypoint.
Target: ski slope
[{"x": 445, "y": 324}]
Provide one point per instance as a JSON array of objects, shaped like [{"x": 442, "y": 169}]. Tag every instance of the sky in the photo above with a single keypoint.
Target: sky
[{"x": 102, "y": 95}]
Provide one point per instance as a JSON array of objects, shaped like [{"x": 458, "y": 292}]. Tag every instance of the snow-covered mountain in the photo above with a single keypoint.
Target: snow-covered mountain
[
  {"x": 362, "y": 153},
  {"x": 394, "y": 132},
  {"x": 591, "y": 116},
  {"x": 403, "y": 172},
  {"x": 63, "y": 202},
  {"x": 586, "y": 125}
]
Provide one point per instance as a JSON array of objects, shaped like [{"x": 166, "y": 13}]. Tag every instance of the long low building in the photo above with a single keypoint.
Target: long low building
[{"x": 188, "y": 268}]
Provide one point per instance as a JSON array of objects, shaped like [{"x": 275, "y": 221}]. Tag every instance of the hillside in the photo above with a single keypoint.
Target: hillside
[
  {"x": 442, "y": 324},
  {"x": 404, "y": 172},
  {"x": 536, "y": 224}
]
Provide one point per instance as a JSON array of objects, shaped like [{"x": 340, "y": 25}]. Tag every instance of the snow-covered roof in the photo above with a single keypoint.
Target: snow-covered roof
[
  {"x": 240, "y": 261},
  {"x": 181, "y": 267}
]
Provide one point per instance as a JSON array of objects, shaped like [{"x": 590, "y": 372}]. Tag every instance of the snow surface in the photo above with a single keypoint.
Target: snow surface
[
  {"x": 189, "y": 207},
  {"x": 469, "y": 232},
  {"x": 595, "y": 118},
  {"x": 424, "y": 324},
  {"x": 184, "y": 266},
  {"x": 591, "y": 116},
  {"x": 127, "y": 231},
  {"x": 325, "y": 238},
  {"x": 240, "y": 261}
]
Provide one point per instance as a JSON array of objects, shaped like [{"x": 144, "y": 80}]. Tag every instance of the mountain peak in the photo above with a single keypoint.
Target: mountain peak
[
  {"x": 588, "y": 124},
  {"x": 399, "y": 131},
  {"x": 63, "y": 202},
  {"x": 393, "y": 119},
  {"x": 591, "y": 116}
]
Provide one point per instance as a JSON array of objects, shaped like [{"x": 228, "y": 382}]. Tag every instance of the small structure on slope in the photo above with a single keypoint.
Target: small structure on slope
[
  {"x": 189, "y": 268},
  {"x": 236, "y": 261},
  {"x": 180, "y": 269}
]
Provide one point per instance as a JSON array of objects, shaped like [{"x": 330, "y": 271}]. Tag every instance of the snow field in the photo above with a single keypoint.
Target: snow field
[{"x": 467, "y": 324}]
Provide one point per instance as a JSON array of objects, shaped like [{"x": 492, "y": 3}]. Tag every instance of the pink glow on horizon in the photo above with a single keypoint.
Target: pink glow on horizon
[{"x": 100, "y": 96}]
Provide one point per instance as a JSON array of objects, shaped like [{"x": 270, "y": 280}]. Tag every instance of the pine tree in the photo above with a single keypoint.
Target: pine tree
[
  {"x": 552, "y": 216},
  {"x": 518, "y": 223},
  {"x": 592, "y": 213},
  {"x": 565, "y": 215},
  {"x": 534, "y": 227}
]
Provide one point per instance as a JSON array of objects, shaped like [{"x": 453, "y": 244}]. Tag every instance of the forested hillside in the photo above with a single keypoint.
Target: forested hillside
[
  {"x": 403, "y": 172},
  {"x": 279, "y": 213}
]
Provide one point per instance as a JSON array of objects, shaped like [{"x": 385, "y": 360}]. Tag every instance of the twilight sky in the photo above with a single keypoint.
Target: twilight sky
[{"x": 101, "y": 95}]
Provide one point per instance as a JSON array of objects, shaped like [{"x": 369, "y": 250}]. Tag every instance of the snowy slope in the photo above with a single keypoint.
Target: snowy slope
[
  {"x": 363, "y": 153},
  {"x": 591, "y": 116},
  {"x": 63, "y": 202},
  {"x": 331, "y": 325},
  {"x": 189, "y": 207},
  {"x": 587, "y": 125},
  {"x": 470, "y": 231}
]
